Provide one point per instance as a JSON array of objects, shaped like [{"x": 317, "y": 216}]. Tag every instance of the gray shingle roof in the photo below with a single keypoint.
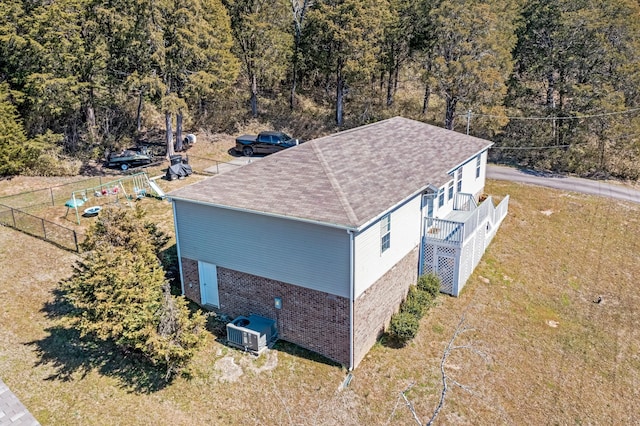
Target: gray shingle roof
[{"x": 346, "y": 179}]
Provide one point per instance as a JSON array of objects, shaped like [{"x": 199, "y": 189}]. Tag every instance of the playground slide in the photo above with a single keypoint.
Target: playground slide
[{"x": 157, "y": 189}]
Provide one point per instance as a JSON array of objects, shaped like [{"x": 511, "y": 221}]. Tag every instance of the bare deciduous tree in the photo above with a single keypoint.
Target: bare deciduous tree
[{"x": 447, "y": 380}]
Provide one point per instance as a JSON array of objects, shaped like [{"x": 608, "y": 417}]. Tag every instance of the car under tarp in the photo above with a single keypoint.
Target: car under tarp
[{"x": 178, "y": 171}]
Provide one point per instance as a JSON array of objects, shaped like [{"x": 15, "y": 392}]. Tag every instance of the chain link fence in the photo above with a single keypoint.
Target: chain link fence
[
  {"x": 29, "y": 224},
  {"x": 52, "y": 196}
]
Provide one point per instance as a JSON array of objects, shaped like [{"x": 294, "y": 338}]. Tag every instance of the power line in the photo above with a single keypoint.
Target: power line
[
  {"x": 559, "y": 146},
  {"x": 579, "y": 117},
  {"x": 532, "y": 147}
]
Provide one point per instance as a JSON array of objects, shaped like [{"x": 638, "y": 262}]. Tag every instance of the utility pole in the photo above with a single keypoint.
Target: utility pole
[{"x": 468, "y": 120}]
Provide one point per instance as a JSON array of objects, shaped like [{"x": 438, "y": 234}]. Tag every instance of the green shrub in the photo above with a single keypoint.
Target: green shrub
[
  {"x": 413, "y": 307},
  {"x": 417, "y": 302},
  {"x": 430, "y": 283},
  {"x": 403, "y": 327},
  {"x": 424, "y": 297},
  {"x": 404, "y": 324}
]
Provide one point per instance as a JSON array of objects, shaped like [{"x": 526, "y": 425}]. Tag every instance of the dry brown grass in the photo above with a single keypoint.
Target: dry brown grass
[
  {"x": 540, "y": 268},
  {"x": 555, "y": 253}
]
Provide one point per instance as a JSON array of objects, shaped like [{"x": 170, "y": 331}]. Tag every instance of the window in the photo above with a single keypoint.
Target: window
[
  {"x": 441, "y": 197},
  {"x": 450, "y": 190},
  {"x": 385, "y": 233},
  {"x": 478, "y": 166},
  {"x": 459, "y": 180}
]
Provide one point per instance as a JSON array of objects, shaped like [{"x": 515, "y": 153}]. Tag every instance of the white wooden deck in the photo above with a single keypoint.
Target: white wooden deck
[{"x": 452, "y": 247}]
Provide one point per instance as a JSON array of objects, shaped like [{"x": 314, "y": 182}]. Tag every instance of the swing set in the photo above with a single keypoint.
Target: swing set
[{"x": 127, "y": 189}]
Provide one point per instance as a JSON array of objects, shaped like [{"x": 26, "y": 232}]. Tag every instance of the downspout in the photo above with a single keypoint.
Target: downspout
[
  {"x": 351, "y": 301},
  {"x": 175, "y": 225},
  {"x": 423, "y": 227},
  {"x": 422, "y": 232}
]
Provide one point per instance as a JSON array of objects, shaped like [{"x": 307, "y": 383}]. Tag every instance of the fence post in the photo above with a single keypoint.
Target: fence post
[
  {"x": 53, "y": 202},
  {"x": 75, "y": 240},
  {"x": 44, "y": 230},
  {"x": 13, "y": 217}
]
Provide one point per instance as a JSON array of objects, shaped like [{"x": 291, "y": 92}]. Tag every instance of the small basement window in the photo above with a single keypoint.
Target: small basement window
[{"x": 385, "y": 233}]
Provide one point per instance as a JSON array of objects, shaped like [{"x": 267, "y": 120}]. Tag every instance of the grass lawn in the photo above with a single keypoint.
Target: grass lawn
[{"x": 538, "y": 350}]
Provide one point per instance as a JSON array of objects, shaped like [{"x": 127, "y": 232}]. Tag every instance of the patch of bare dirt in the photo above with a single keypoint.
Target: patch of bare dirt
[{"x": 231, "y": 372}]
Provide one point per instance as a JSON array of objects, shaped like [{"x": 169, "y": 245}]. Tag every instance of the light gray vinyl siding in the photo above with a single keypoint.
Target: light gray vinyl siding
[{"x": 308, "y": 255}]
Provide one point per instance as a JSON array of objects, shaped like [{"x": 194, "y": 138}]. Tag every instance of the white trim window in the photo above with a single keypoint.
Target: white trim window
[
  {"x": 478, "y": 166},
  {"x": 450, "y": 191},
  {"x": 440, "y": 197},
  {"x": 385, "y": 233},
  {"x": 459, "y": 180}
]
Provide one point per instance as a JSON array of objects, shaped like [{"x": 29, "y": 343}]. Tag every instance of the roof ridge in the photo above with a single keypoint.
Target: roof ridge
[
  {"x": 364, "y": 126},
  {"x": 335, "y": 185}
]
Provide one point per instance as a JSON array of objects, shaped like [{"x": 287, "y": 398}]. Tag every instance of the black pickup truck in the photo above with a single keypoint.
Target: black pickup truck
[{"x": 264, "y": 143}]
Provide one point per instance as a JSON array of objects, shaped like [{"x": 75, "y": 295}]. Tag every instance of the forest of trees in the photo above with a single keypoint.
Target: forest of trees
[{"x": 553, "y": 82}]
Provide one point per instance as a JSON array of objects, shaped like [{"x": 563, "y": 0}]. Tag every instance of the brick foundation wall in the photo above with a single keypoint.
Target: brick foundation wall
[
  {"x": 374, "y": 307},
  {"x": 311, "y": 319},
  {"x": 191, "y": 278}
]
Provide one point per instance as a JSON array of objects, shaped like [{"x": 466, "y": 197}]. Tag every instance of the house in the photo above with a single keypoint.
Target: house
[{"x": 325, "y": 238}]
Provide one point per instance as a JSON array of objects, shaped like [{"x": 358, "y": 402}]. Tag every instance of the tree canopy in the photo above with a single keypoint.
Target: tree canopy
[
  {"x": 471, "y": 59},
  {"x": 553, "y": 83},
  {"x": 12, "y": 136},
  {"x": 343, "y": 39}
]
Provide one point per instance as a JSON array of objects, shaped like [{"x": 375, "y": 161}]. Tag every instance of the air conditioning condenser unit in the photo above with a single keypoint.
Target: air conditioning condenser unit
[{"x": 253, "y": 333}]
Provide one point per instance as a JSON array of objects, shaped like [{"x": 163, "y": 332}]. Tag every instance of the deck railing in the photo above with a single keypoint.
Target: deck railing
[
  {"x": 501, "y": 210},
  {"x": 464, "y": 202},
  {"x": 443, "y": 230},
  {"x": 458, "y": 232}
]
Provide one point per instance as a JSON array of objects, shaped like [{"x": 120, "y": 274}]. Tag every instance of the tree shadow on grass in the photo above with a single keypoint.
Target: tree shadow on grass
[{"x": 72, "y": 355}]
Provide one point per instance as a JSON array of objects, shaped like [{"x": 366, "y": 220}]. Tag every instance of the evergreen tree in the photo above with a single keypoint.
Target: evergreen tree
[
  {"x": 573, "y": 59},
  {"x": 472, "y": 60},
  {"x": 194, "y": 58},
  {"x": 13, "y": 149},
  {"x": 262, "y": 42},
  {"x": 67, "y": 81},
  {"x": 120, "y": 292},
  {"x": 133, "y": 45},
  {"x": 342, "y": 41},
  {"x": 401, "y": 35},
  {"x": 299, "y": 10},
  {"x": 12, "y": 42}
]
